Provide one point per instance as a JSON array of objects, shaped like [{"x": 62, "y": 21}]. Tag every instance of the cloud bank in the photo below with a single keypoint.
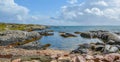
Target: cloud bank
[
  {"x": 91, "y": 12},
  {"x": 14, "y": 13},
  {"x": 75, "y": 12}
]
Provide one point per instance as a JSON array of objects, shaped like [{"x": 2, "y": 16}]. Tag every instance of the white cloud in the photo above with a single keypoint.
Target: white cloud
[
  {"x": 92, "y": 12},
  {"x": 95, "y": 11},
  {"x": 101, "y": 3},
  {"x": 9, "y": 10},
  {"x": 12, "y": 12},
  {"x": 72, "y": 1}
]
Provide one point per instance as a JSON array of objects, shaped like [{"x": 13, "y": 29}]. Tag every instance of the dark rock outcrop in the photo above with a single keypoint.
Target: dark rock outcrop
[
  {"x": 66, "y": 35},
  {"x": 96, "y": 47},
  {"x": 46, "y": 33},
  {"x": 77, "y": 32}
]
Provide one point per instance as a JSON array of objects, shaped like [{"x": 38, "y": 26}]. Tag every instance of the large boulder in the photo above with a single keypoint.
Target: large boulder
[
  {"x": 105, "y": 36},
  {"x": 86, "y": 35},
  {"x": 18, "y": 37},
  {"x": 110, "y": 49}
]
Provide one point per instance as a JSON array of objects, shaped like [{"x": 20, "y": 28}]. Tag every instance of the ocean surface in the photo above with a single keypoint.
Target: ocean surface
[{"x": 58, "y": 42}]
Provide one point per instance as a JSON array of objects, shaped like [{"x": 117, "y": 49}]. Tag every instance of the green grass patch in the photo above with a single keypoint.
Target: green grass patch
[{"x": 24, "y": 27}]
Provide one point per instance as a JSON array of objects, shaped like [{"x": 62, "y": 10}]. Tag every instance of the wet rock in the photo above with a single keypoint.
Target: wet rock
[
  {"x": 85, "y": 45},
  {"x": 49, "y": 30},
  {"x": 46, "y": 33},
  {"x": 80, "y": 51},
  {"x": 99, "y": 31},
  {"x": 45, "y": 46},
  {"x": 32, "y": 46},
  {"x": 77, "y": 32},
  {"x": 99, "y": 43},
  {"x": 85, "y": 35},
  {"x": 66, "y": 35},
  {"x": 118, "y": 33},
  {"x": 99, "y": 47}
]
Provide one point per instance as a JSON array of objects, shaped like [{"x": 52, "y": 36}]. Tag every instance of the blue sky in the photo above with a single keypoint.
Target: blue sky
[
  {"x": 61, "y": 12},
  {"x": 44, "y": 7}
]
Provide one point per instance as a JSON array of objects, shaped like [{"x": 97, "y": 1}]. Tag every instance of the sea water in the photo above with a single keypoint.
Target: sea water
[{"x": 58, "y": 42}]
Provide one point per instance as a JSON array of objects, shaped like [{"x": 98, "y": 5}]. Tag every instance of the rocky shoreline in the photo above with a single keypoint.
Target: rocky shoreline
[
  {"x": 50, "y": 55},
  {"x": 110, "y": 43},
  {"x": 18, "y": 46},
  {"x": 17, "y": 37}
]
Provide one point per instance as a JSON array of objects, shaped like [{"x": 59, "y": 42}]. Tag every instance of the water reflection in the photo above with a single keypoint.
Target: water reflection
[{"x": 58, "y": 42}]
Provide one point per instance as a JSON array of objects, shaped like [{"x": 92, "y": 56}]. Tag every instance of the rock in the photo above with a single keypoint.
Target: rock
[
  {"x": 32, "y": 46},
  {"x": 78, "y": 59},
  {"x": 80, "y": 51},
  {"x": 88, "y": 35},
  {"x": 37, "y": 27},
  {"x": 85, "y": 45},
  {"x": 85, "y": 35},
  {"x": 111, "y": 42},
  {"x": 106, "y": 49},
  {"x": 110, "y": 49},
  {"x": 35, "y": 61},
  {"x": 63, "y": 60},
  {"x": 49, "y": 31},
  {"x": 16, "y": 60},
  {"x": 113, "y": 49},
  {"x": 37, "y": 58},
  {"x": 99, "y": 31},
  {"x": 117, "y": 60},
  {"x": 5, "y": 60},
  {"x": 103, "y": 35},
  {"x": 45, "y": 46},
  {"x": 98, "y": 43},
  {"x": 6, "y": 56},
  {"x": 90, "y": 61},
  {"x": 114, "y": 37},
  {"x": 118, "y": 46},
  {"x": 89, "y": 57},
  {"x": 46, "y": 33},
  {"x": 77, "y": 32},
  {"x": 99, "y": 47},
  {"x": 18, "y": 37},
  {"x": 99, "y": 57},
  {"x": 66, "y": 35},
  {"x": 118, "y": 33},
  {"x": 112, "y": 57}
]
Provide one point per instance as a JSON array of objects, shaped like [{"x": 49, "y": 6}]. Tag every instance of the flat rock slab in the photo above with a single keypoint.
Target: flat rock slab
[{"x": 10, "y": 37}]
